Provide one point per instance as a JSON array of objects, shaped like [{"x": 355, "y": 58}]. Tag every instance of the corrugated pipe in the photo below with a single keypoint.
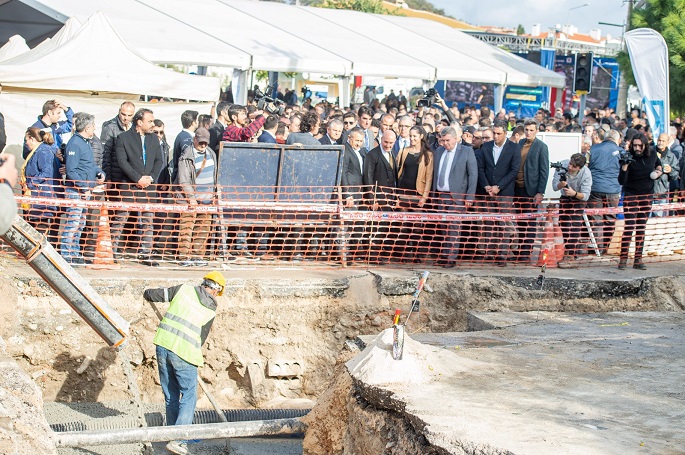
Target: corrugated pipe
[
  {"x": 158, "y": 434},
  {"x": 156, "y": 419}
]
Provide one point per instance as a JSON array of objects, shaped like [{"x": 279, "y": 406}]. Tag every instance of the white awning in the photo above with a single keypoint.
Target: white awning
[{"x": 96, "y": 61}]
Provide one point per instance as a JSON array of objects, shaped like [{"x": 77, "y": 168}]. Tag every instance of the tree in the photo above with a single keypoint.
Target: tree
[
  {"x": 668, "y": 18},
  {"x": 366, "y": 6},
  {"x": 520, "y": 30}
]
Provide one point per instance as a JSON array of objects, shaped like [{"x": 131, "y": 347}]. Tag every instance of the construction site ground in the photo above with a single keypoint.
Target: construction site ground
[{"x": 304, "y": 314}]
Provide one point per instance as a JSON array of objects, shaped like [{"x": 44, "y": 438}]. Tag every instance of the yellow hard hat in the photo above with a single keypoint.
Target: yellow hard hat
[{"x": 218, "y": 278}]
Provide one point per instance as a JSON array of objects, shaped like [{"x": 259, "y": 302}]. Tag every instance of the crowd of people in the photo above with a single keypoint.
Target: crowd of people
[{"x": 431, "y": 158}]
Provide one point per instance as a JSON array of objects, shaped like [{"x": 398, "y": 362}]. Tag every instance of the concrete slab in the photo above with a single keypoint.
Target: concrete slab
[{"x": 565, "y": 384}]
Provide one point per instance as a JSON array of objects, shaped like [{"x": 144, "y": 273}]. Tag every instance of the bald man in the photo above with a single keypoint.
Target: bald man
[
  {"x": 380, "y": 178},
  {"x": 380, "y": 169}
]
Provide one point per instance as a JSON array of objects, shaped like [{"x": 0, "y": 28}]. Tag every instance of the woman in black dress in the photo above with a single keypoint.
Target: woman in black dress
[{"x": 414, "y": 181}]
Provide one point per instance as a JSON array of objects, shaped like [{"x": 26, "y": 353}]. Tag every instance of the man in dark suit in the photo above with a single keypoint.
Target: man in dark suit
[
  {"x": 351, "y": 181},
  {"x": 455, "y": 177},
  {"x": 499, "y": 163},
  {"x": 139, "y": 158},
  {"x": 353, "y": 165},
  {"x": 216, "y": 132},
  {"x": 363, "y": 123},
  {"x": 333, "y": 133},
  {"x": 531, "y": 182},
  {"x": 268, "y": 136},
  {"x": 380, "y": 173}
]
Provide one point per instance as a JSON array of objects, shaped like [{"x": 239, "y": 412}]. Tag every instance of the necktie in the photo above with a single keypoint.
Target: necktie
[
  {"x": 144, "y": 153},
  {"x": 442, "y": 178}
]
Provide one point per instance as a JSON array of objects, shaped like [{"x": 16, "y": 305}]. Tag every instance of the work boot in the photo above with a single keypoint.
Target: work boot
[
  {"x": 178, "y": 447},
  {"x": 638, "y": 264},
  {"x": 623, "y": 263}
]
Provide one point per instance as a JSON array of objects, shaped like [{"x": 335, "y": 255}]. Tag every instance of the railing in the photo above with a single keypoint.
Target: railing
[{"x": 320, "y": 226}]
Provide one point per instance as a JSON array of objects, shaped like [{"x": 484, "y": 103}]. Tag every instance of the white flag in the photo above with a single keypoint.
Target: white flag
[{"x": 649, "y": 59}]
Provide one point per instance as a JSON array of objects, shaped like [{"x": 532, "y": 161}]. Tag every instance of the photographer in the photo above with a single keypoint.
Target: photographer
[
  {"x": 8, "y": 178},
  {"x": 433, "y": 97},
  {"x": 241, "y": 129},
  {"x": 639, "y": 170},
  {"x": 574, "y": 180}
]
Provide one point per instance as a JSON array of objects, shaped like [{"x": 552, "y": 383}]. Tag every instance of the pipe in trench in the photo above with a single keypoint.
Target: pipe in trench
[
  {"x": 42, "y": 257},
  {"x": 202, "y": 416},
  {"x": 183, "y": 432}
]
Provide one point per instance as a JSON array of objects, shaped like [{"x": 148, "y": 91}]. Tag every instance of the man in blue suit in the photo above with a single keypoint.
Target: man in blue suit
[
  {"x": 268, "y": 136},
  {"x": 499, "y": 163}
]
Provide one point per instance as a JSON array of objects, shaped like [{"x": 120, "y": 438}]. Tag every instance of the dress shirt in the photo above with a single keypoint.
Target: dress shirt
[
  {"x": 359, "y": 157},
  {"x": 449, "y": 156},
  {"x": 497, "y": 151}
]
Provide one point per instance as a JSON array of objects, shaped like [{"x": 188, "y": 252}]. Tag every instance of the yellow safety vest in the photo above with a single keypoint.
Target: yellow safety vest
[{"x": 180, "y": 329}]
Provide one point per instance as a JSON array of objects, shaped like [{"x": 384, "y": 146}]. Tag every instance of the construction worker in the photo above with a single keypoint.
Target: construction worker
[{"x": 179, "y": 339}]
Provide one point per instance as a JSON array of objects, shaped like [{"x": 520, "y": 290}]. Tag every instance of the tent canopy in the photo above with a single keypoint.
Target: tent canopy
[
  {"x": 277, "y": 37},
  {"x": 96, "y": 60},
  {"x": 15, "y": 46},
  {"x": 519, "y": 70}
]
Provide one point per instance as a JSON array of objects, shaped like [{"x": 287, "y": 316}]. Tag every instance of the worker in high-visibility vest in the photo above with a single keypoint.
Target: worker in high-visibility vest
[{"x": 179, "y": 339}]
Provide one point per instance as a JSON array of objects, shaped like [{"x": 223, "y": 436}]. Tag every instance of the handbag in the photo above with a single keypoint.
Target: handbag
[{"x": 26, "y": 191}]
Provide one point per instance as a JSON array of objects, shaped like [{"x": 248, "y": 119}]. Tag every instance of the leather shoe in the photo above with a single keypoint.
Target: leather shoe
[
  {"x": 622, "y": 264},
  {"x": 447, "y": 264},
  {"x": 638, "y": 264},
  {"x": 146, "y": 260}
]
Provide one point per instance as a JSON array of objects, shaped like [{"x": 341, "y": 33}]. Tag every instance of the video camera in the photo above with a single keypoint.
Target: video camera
[
  {"x": 428, "y": 99},
  {"x": 267, "y": 103},
  {"x": 625, "y": 157},
  {"x": 561, "y": 170}
]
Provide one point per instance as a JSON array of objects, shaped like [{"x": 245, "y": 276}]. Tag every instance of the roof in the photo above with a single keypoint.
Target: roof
[{"x": 95, "y": 60}]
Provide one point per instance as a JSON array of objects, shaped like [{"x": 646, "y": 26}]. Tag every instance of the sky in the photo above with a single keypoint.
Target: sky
[{"x": 548, "y": 13}]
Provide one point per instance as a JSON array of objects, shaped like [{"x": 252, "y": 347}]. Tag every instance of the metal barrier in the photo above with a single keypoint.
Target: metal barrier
[{"x": 332, "y": 226}]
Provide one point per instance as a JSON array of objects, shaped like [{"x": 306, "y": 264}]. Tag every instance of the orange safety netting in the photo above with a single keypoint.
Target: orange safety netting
[{"x": 173, "y": 226}]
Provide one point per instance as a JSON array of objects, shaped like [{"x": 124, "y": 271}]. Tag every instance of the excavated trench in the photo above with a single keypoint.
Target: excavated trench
[{"x": 276, "y": 338}]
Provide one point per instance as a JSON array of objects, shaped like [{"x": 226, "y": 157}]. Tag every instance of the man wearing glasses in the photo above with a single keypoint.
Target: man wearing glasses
[
  {"x": 364, "y": 118},
  {"x": 139, "y": 161},
  {"x": 349, "y": 120},
  {"x": 405, "y": 125}
]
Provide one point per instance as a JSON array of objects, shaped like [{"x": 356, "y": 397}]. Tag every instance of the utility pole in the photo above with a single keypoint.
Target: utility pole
[{"x": 622, "y": 102}]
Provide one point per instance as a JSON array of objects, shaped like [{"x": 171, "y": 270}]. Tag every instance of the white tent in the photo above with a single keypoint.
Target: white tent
[
  {"x": 369, "y": 57},
  {"x": 271, "y": 48},
  {"x": 448, "y": 64},
  {"x": 15, "y": 46},
  {"x": 519, "y": 70},
  {"x": 251, "y": 35},
  {"x": 153, "y": 33},
  {"x": 96, "y": 61}
]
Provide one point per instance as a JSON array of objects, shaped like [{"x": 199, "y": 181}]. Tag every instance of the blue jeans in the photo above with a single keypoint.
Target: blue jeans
[
  {"x": 75, "y": 222},
  {"x": 179, "y": 384}
]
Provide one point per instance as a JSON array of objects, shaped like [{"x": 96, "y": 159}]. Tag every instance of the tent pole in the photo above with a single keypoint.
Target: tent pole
[{"x": 499, "y": 97}]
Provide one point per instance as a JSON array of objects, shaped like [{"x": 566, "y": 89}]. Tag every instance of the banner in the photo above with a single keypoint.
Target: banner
[{"x": 649, "y": 60}]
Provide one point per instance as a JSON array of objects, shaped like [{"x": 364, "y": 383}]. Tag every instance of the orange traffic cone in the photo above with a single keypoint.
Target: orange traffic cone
[
  {"x": 104, "y": 256},
  {"x": 559, "y": 245},
  {"x": 548, "y": 253}
]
